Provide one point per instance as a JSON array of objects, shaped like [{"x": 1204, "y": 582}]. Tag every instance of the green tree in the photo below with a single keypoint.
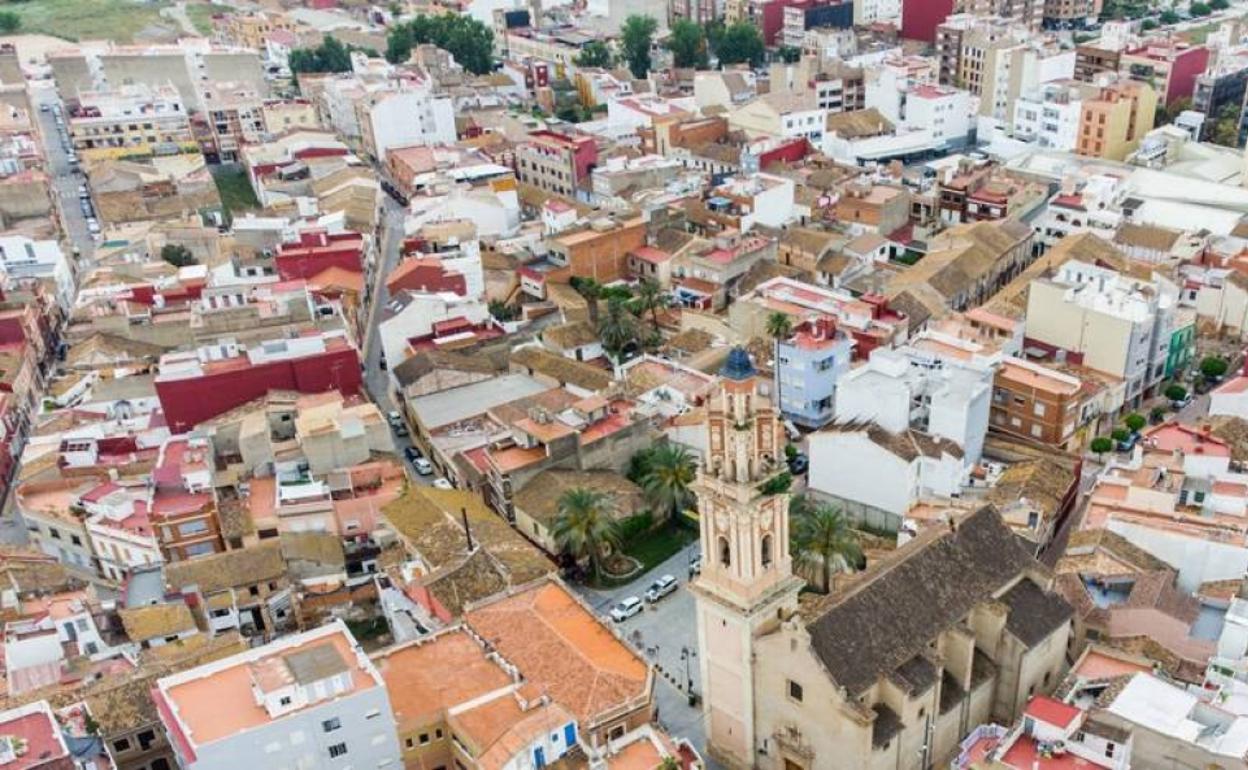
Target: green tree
[
  {"x": 585, "y": 526},
  {"x": 650, "y": 300},
  {"x": 618, "y": 328},
  {"x": 1176, "y": 392},
  {"x": 1100, "y": 445},
  {"x": 635, "y": 38},
  {"x": 668, "y": 472},
  {"x": 468, "y": 40},
  {"x": 1119, "y": 434},
  {"x": 688, "y": 45},
  {"x": 595, "y": 54},
  {"x": 9, "y": 22},
  {"x": 779, "y": 325},
  {"x": 502, "y": 311},
  {"x": 1219, "y": 5},
  {"x": 789, "y": 54},
  {"x": 823, "y": 540},
  {"x": 1225, "y": 128},
  {"x": 1168, "y": 17},
  {"x": 330, "y": 56},
  {"x": 177, "y": 255},
  {"x": 741, "y": 42},
  {"x": 591, "y": 290},
  {"x": 1213, "y": 367},
  {"x": 1148, "y": 25},
  {"x": 1199, "y": 9},
  {"x": 1135, "y": 422}
]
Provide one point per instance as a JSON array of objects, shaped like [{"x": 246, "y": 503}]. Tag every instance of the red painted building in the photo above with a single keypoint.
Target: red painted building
[
  {"x": 425, "y": 274},
  {"x": 317, "y": 251},
  {"x": 1172, "y": 67},
  {"x": 192, "y": 391},
  {"x": 787, "y": 151},
  {"x": 920, "y": 18}
]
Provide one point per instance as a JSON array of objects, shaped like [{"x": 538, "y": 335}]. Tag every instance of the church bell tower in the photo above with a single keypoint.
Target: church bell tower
[{"x": 747, "y": 579}]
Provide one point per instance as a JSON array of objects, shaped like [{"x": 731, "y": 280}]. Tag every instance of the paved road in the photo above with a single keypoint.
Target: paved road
[
  {"x": 375, "y": 380},
  {"x": 65, "y": 182},
  {"x": 661, "y": 632}
]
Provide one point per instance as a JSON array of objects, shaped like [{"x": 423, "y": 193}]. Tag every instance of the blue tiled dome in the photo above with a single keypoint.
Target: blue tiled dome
[{"x": 738, "y": 366}]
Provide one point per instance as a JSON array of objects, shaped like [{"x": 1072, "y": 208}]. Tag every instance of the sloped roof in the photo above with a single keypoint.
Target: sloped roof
[
  {"x": 242, "y": 567},
  {"x": 156, "y": 621},
  {"x": 903, "y": 603},
  {"x": 563, "y": 370},
  {"x": 540, "y": 497},
  {"x": 427, "y": 361},
  {"x": 570, "y": 336}
]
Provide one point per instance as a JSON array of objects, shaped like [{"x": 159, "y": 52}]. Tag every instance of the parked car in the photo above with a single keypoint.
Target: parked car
[
  {"x": 660, "y": 588},
  {"x": 93, "y": 226},
  {"x": 1128, "y": 443},
  {"x": 695, "y": 566},
  {"x": 1182, "y": 403},
  {"x": 423, "y": 466},
  {"x": 412, "y": 454},
  {"x": 45, "y": 107},
  {"x": 626, "y": 609},
  {"x": 381, "y": 363},
  {"x": 82, "y": 192},
  {"x": 442, "y": 484}
]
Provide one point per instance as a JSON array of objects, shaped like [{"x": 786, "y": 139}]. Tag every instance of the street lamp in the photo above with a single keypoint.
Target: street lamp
[{"x": 687, "y": 655}]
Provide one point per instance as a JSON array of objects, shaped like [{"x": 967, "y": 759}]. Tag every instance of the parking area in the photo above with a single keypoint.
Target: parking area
[{"x": 667, "y": 635}]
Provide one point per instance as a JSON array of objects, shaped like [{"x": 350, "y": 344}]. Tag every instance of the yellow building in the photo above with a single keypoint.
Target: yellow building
[{"x": 1111, "y": 125}]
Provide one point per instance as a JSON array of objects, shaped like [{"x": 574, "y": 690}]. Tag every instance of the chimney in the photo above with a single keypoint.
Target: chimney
[{"x": 463, "y": 511}]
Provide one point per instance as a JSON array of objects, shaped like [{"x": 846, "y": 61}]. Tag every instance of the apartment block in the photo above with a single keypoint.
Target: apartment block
[
  {"x": 132, "y": 120},
  {"x": 556, "y": 163},
  {"x": 1112, "y": 124}
]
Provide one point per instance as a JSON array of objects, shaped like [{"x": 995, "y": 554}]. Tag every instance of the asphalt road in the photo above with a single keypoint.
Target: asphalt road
[
  {"x": 662, "y": 632},
  {"x": 65, "y": 182}
]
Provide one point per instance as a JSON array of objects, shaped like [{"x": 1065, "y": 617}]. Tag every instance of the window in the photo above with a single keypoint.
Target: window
[
  {"x": 254, "y": 590},
  {"x": 1039, "y": 409},
  {"x": 329, "y": 725},
  {"x": 55, "y": 533},
  {"x": 1109, "y": 749},
  {"x": 437, "y": 734},
  {"x": 766, "y": 551},
  {"x": 409, "y": 743},
  {"x": 725, "y": 552},
  {"x": 146, "y": 739},
  {"x": 337, "y": 750},
  {"x": 75, "y": 540},
  {"x": 284, "y": 700},
  {"x": 121, "y": 744},
  {"x": 424, "y": 738},
  {"x": 795, "y": 691}
]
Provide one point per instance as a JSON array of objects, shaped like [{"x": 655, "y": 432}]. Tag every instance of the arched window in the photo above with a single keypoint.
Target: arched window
[
  {"x": 725, "y": 553},
  {"x": 766, "y": 551}
]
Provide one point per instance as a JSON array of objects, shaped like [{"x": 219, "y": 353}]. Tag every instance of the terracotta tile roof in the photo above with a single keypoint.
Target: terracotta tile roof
[
  {"x": 231, "y": 569},
  {"x": 564, "y": 370},
  {"x": 899, "y": 606},
  {"x": 416, "y": 676},
  {"x": 539, "y": 498},
  {"x": 564, "y": 649},
  {"x": 570, "y": 336}
]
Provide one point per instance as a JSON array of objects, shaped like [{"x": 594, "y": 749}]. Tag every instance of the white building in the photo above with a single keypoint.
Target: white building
[
  {"x": 23, "y": 258},
  {"x": 1230, "y": 399},
  {"x": 119, "y": 529},
  {"x": 1090, "y": 207},
  {"x": 870, "y": 11},
  {"x": 1120, "y": 325},
  {"x": 413, "y": 314},
  {"x": 911, "y": 389},
  {"x": 313, "y": 700},
  {"x": 1049, "y": 116},
  {"x": 409, "y": 117}
]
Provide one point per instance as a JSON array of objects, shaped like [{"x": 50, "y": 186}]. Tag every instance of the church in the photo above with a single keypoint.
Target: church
[{"x": 956, "y": 628}]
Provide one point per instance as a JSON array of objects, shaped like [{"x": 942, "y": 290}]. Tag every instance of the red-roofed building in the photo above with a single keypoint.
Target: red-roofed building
[
  {"x": 30, "y": 739},
  {"x": 556, "y": 162},
  {"x": 1052, "y": 712},
  {"x": 317, "y": 251},
  {"x": 425, "y": 274},
  {"x": 194, "y": 387}
]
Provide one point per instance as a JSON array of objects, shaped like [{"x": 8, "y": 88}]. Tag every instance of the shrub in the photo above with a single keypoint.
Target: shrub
[
  {"x": 1176, "y": 392},
  {"x": 1100, "y": 445},
  {"x": 1134, "y": 422},
  {"x": 777, "y": 484},
  {"x": 634, "y": 526},
  {"x": 1212, "y": 367},
  {"x": 1119, "y": 434}
]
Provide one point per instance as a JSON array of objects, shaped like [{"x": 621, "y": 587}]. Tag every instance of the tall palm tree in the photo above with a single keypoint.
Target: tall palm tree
[
  {"x": 823, "y": 539},
  {"x": 618, "y": 327},
  {"x": 651, "y": 299},
  {"x": 591, "y": 290},
  {"x": 585, "y": 526},
  {"x": 779, "y": 325},
  {"x": 669, "y": 471}
]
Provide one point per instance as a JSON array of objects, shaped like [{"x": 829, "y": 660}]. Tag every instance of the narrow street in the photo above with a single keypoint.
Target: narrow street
[{"x": 65, "y": 182}]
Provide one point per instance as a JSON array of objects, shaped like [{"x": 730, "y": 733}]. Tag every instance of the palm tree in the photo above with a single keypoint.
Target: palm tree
[
  {"x": 618, "y": 327},
  {"x": 585, "y": 526},
  {"x": 779, "y": 326},
  {"x": 823, "y": 539},
  {"x": 591, "y": 290},
  {"x": 650, "y": 299},
  {"x": 669, "y": 471}
]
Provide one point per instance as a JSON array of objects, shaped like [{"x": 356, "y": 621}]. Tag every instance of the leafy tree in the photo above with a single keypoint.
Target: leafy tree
[
  {"x": 585, "y": 526},
  {"x": 1168, "y": 17},
  {"x": 1219, "y": 5},
  {"x": 1212, "y": 367},
  {"x": 468, "y": 40},
  {"x": 1157, "y": 414},
  {"x": 177, "y": 255},
  {"x": 591, "y": 290},
  {"x": 330, "y": 56},
  {"x": 1148, "y": 24},
  {"x": 502, "y": 311},
  {"x": 1135, "y": 422},
  {"x": 1100, "y": 445},
  {"x": 777, "y": 484},
  {"x": 9, "y": 22},
  {"x": 618, "y": 328},
  {"x": 789, "y": 54},
  {"x": 741, "y": 42},
  {"x": 688, "y": 45},
  {"x": 1225, "y": 128},
  {"x": 668, "y": 471},
  {"x": 1199, "y": 9},
  {"x": 823, "y": 539},
  {"x": 635, "y": 39},
  {"x": 1119, "y": 434},
  {"x": 1176, "y": 392},
  {"x": 595, "y": 54},
  {"x": 779, "y": 325}
]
